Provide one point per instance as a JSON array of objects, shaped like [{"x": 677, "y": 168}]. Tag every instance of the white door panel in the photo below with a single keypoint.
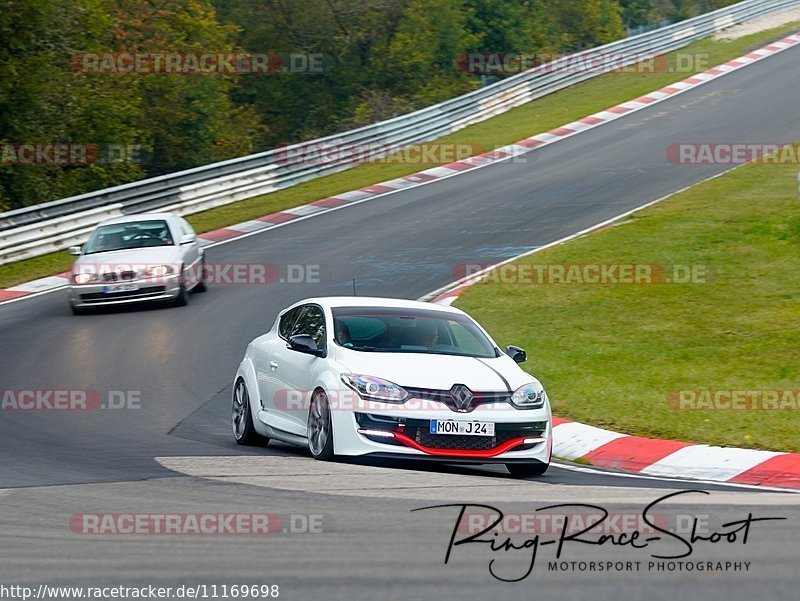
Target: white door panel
[
  {"x": 263, "y": 358},
  {"x": 297, "y": 377}
]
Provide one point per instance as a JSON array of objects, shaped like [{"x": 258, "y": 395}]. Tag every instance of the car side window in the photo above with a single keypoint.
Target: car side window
[
  {"x": 287, "y": 321},
  {"x": 312, "y": 322}
]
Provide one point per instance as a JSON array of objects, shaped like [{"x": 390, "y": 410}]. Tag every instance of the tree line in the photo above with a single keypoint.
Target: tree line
[{"x": 89, "y": 99}]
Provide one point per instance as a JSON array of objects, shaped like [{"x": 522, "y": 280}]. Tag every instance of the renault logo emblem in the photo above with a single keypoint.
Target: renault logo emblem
[{"x": 462, "y": 396}]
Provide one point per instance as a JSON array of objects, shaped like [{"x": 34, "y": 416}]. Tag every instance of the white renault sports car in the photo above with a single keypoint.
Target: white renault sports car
[
  {"x": 135, "y": 258},
  {"x": 385, "y": 377}
]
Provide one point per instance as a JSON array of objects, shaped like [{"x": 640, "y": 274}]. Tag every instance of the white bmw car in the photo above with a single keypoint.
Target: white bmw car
[
  {"x": 137, "y": 258},
  {"x": 384, "y": 377}
]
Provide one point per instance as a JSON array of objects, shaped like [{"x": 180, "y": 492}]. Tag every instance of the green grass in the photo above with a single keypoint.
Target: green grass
[
  {"x": 535, "y": 117},
  {"x": 610, "y": 355}
]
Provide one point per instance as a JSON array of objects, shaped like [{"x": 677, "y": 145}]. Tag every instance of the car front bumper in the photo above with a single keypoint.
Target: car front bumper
[
  {"x": 520, "y": 435},
  {"x": 148, "y": 290}
]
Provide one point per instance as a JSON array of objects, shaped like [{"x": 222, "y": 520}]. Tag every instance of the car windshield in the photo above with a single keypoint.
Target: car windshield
[
  {"x": 398, "y": 330},
  {"x": 135, "y": 234}
]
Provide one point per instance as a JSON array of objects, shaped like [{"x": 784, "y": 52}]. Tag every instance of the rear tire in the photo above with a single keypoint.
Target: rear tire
[
  {"x": 520, "y": 470},
  {"x": 242, "y": 418},
  {"x": 320, "y": 427}
]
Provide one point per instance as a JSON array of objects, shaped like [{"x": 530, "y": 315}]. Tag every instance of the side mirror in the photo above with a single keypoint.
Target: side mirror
[
  {"x": 74, "y": 250},
  {"x": 188, "y": 239},
  {"x": 517, "y": 354},
  {"x": 303, "y": 343}
]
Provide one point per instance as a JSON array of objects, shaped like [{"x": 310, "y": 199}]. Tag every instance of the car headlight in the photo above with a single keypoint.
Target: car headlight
[
  {"x": 529, "y": 396},
  {"x": 375, "y": 389},
  {"x": 158, "y": 271},
  {"x": 84, "y": 278}
]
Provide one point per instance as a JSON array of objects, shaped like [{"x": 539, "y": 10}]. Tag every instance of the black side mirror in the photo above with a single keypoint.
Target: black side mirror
[
  {"x": 517, "y": 354},
  {"x": 303, "y": 343}
]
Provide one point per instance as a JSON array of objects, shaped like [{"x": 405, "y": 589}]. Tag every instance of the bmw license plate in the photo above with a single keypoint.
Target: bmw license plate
[
  {"x": 120, "y": 288},
  {"x": 462, "y": 427}
]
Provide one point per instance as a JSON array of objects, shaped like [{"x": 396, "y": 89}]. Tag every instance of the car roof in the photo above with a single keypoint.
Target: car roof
[
  {"x": 374, "y": 301},
  {"x": 139, "y": 217}
]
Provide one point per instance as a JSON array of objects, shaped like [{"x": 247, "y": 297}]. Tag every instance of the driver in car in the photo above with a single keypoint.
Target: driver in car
[
  {"x": 426, "y": 334},
  {"x": 110, "y": 242}
]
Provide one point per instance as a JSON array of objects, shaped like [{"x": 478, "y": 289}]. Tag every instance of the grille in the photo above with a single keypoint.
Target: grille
[
  {"x": 113, "y": 276},
  {"x": 444, "y": 396},
  {"x": 140, "y": 293},
  {"x": 465, "y": 443}
]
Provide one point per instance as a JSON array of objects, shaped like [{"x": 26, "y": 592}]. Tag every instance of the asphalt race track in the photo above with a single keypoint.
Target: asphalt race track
[{"x": 180, "y": 362}]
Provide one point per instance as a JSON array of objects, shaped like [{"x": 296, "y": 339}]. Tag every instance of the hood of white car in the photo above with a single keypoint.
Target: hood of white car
[
  {"x": 152, "y": 255},
  {"x": 440, "y": 372}
]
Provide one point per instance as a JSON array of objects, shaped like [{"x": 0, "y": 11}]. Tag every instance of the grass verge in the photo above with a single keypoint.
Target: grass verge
[
  {"x": 535, "y": 117},
  {"x": 617, "y": 356}
]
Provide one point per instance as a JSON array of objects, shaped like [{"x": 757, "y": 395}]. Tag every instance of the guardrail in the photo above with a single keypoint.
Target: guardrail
[{"x": 52, "y": 226}]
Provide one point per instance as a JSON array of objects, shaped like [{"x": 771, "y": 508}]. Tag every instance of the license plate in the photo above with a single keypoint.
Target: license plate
[
  {"x": 461, "y": 427},
  {"x": 120, "y": 288}
]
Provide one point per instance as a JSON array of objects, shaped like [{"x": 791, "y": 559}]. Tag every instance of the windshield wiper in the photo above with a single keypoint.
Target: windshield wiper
[
  {"x": 105, "y": 250},
  {"x": 455, "y": 354},
  {"x": 363, "y": 348}
]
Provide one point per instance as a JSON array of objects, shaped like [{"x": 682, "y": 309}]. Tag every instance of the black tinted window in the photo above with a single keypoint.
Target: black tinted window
[
  {"x": 312, "y": 322},
  {"x": 287, "y": 321},
  {"x": 397, "y": 330}
]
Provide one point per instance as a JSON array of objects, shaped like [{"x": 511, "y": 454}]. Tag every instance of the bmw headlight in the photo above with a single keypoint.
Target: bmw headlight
[
  {"x": 529, "y": 396},
  {"x": 158, "y": 271},
  {"x": 375, "y": 389},
  {"x": 84, "y": 277}
]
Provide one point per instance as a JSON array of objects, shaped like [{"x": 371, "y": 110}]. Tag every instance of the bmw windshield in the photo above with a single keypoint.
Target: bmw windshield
[
  {"x": 398, "y": 330},
  {"x": 126, "y": 236}
]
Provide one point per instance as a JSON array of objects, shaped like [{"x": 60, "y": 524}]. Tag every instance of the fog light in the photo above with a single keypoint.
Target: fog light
[{"x": 379, "y": 433}]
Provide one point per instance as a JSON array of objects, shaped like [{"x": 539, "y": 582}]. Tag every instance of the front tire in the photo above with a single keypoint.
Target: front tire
[
  {"x": 183, "y": 296},
  {"x": 320, "y": 427},
  {"x": 242, "y": 418},
  {"x": 201, "y": 284},
  {"x": 520, "y": 470}
]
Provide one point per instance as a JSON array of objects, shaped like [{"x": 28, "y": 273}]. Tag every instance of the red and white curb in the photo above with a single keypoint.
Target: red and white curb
[
  {"x": 332, "y": 203},
  {"x": 670, "y": 458},
  {"x": 48, "y": 284}
]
